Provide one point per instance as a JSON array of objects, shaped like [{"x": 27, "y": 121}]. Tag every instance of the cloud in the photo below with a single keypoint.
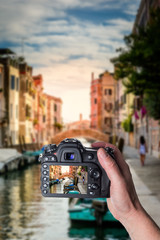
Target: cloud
[{"x": 64, "y": 44}]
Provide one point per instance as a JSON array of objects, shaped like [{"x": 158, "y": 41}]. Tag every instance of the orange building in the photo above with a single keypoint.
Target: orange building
[
  {"x": 96, "y": 103},
  {"x": 102, "y": 102},
  {"x": 40, "y": 126}
]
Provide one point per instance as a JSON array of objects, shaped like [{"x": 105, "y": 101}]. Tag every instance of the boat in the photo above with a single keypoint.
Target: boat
[
  {"x": 73, "y": 192},
  {"x": 34, "y": 154},
  {"x": 71, "y": 187},
  {"x": 90, "y": 211}
]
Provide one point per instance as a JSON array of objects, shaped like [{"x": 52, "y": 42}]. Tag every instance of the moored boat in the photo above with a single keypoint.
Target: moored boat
[{"x": 90, "y": 211}]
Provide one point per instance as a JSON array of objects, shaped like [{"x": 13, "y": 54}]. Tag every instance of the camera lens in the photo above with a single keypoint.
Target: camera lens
[
  {"x": 69, "y": 156},
  {"x": 95, "y": 173}
]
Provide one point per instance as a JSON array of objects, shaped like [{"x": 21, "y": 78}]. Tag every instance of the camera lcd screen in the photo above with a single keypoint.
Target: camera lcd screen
[{"x": 68, "y": 179}]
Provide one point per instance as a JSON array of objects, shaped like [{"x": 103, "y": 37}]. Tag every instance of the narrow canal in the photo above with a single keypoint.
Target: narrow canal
[{"x": 26, "y": 215}]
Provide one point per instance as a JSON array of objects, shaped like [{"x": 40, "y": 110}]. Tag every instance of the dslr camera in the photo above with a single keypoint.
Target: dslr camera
[{"x": 72, "y": 170}]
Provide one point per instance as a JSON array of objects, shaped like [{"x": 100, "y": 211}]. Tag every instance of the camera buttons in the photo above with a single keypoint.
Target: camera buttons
[
  {"x": 45, "y": 185},
  {"x": 94, "y": 186},
  {"x": 53, "y": 158},
  {"x": 45, "y": 172},
  {"x": 44, "y": 179},
  {"x": 92, "y": 193},
  {"x": 45, "y": 166},
  {"x": 45, "y": 191},
  {"x": 46, "y": 158},
  {"x": 90, "y": 156}
]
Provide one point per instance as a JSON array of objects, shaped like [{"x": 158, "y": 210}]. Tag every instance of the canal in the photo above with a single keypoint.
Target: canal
[{"x": 26, "y": 215}]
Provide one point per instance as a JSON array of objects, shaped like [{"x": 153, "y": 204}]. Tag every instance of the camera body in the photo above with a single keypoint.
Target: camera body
[{"x": 72, "y": 170}]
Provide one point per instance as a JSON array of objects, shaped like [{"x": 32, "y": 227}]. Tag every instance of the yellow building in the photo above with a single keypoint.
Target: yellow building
[
  {"x": 124, "y": 104},
  {"x": 27, "y": 95},
  {"x": 14, "y": 103}
]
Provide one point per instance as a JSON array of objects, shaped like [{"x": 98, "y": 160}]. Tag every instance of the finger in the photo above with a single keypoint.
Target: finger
[
  {"x": 119, "y": 159},
  {"x": 123, "y": 166},
  {"x": 109, "y": 166},
  {"x": 98, "y": 144}
]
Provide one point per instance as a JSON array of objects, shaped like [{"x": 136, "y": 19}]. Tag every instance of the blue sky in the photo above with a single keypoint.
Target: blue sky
[{"x": 67, "y": 40}]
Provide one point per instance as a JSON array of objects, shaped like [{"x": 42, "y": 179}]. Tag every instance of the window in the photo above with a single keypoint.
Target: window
[
  {"x": 108, "y": 91},
  {"x": 55, "y": 107},
  {"x": 105, "y": 120},
  {"x": 124, "y": 98},
  {"x": 1, "y": 112},
  {"x": 117, "y": 105},
  {"x": 0, "y": 80},
  {"x": 17, "y": 111},
  {"x": 28, "y": 111},
  {"x": 11, "y": 113},
  {"x": 55, "y": 119},
  {"x": 26, "y": 85},
  {"x": 95, "y": 101},
  {"x": 108, "y": 121},
  {"x": 108, "y": 106},
  {"x": 17, "y": 85},
  {"x": 12, "y": 82},
  {"x": 44, "y": 118}
]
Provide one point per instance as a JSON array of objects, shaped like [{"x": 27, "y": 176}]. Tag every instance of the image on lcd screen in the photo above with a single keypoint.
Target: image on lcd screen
[{"x": 68, "y": 179}]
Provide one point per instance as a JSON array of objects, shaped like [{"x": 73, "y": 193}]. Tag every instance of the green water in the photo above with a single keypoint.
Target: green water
[{"x": 26, "y": 215}]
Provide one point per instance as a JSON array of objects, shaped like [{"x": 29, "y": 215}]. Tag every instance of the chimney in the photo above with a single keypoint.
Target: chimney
[
  {"x": 80, "y": 117},
  {"x": 92, "y": 76}
]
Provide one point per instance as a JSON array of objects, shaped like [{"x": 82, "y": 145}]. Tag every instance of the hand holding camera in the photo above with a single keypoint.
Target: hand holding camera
[
  {"x": 123, "y": 202},
  {"x": 72, "y": 170}
]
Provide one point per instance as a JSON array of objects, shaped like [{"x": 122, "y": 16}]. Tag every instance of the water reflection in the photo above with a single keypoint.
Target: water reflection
[
  {"x": 26, "y": 215},
  {"x": 98, "y": 233}
]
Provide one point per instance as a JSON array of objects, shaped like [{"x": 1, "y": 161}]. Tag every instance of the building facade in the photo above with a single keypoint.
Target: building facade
[
  {"x": 57, "y": 106},
  {"x": 3, "y": 115},
  {"x": 27, "y": 115},
  {"x": 10, "y": 95},
  {"x": 102, "y": 103},
  {"x": 96, "y": 103},
  {"x": 108, "y": 101},
  {"x": 40, "y": 126},
  {"x": 123, "y": 109},
  {"x": 26, "y": 99},
  {"x": 143, "y": 124}
]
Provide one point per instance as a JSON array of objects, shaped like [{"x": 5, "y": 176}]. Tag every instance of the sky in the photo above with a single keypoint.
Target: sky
[{"x": 65, "y": 41}]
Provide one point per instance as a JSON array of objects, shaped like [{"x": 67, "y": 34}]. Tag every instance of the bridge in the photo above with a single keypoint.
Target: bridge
[{"x": 73, "y": 133}]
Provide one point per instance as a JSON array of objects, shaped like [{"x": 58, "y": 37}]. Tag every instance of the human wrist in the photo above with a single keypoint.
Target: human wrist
[
  {"x": 140, "y": 225},
  {"x": 131, "y": 217}
]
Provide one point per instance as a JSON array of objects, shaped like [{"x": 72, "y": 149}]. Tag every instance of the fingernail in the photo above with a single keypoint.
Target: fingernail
[{"x": 102, "y": 153}]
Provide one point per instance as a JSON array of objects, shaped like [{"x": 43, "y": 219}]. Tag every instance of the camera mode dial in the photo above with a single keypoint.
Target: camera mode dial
[
  {"x": 110, "y": 151},
  {"x": 50, "y": 148}
]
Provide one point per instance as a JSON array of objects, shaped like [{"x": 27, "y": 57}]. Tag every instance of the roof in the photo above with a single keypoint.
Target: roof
[{"x": 53, "y": 97}]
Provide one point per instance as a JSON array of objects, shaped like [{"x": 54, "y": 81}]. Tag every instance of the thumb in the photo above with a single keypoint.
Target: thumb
[{"x": 109, "y": 165}]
